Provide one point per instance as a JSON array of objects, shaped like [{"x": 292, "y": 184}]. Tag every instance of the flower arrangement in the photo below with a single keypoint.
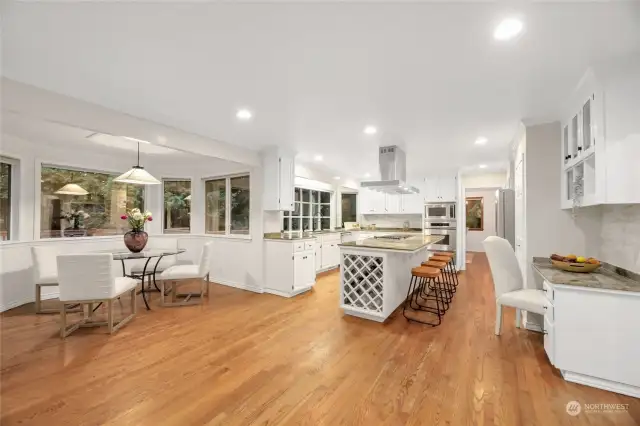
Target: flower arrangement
[
  {"x": 76, "y": 218},
  {"x": 137, "y": 219}
]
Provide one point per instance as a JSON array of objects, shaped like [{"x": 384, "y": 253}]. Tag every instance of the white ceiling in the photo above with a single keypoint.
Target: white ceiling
[
  {"x": 37, "y": 130},
  {"x": 429, "y": 76}
]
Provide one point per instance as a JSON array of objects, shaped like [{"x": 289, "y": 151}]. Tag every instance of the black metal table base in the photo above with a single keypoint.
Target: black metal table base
[{"x": 142, "y": 276}]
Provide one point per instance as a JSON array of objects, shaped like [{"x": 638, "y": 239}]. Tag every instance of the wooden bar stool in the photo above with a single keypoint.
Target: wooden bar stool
[
  {"x": 451, "y": 254},
  {"x": 447, "y": 282},
  {"x": 450, "y": 269},
  {"x": 420, "y": 277}
]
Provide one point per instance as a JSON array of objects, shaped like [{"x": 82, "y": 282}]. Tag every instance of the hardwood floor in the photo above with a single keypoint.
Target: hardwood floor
[{"x": 257, "y": 359}]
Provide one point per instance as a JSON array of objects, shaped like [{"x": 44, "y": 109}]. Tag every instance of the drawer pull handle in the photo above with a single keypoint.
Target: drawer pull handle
[{"x": 544, "y": 307}]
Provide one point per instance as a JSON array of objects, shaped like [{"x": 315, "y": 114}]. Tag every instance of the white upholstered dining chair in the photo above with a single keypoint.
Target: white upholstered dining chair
[
  {"x": 180, "y": 273},
  {"x": 45, "y": 273},
  {"x": 89, "y": 278},
  {"x": 156, "y": 243},
  {"x": 508, "y": 283}
]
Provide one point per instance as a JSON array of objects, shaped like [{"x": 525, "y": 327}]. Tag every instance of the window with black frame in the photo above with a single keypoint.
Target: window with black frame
[
  {"x": 6, "y": 171},
  {"x": 312, "y": 211}
]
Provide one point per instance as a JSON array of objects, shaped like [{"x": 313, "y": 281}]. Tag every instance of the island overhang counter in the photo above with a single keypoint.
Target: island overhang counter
[{"x": 375, "y": 273}]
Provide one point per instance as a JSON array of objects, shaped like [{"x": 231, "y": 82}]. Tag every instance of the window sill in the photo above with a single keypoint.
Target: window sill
[{"x": 230, "y": 237}]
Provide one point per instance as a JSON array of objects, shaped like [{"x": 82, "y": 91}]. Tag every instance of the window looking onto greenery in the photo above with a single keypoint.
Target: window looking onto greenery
[
  {"x": 217, "y": 204},
  {"x": 6, "y": 171},
  {"x": 95, "y": 213},
  {"x": 312, "y": 211},
  {"x": 177, "y": 206}
]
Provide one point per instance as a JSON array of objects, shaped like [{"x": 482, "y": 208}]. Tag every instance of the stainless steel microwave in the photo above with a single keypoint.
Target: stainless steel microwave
[{"x": 445, "y": 211}]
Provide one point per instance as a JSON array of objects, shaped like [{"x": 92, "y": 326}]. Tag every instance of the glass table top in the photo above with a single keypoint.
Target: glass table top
[{"x": 144, "y": 254}]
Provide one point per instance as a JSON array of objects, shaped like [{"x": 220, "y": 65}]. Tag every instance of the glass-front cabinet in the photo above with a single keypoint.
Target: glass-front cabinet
[{"x": 311, "y": 212}]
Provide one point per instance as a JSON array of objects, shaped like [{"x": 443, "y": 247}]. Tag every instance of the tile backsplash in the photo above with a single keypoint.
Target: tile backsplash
[
  {"x": 391, "y": 220},
  {"x": 620, "y": 235}
]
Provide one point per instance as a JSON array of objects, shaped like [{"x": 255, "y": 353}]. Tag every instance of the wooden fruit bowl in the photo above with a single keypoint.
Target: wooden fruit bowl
[{"x": 575, "y": 267}]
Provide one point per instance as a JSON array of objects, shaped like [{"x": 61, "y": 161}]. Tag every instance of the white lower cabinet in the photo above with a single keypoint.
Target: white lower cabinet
[
  {"x": 290, "y": 266},
  {"x": 328, "y": 251},
  {"x": 304, "y": 270},
  {"x": 592, "y": 336}
]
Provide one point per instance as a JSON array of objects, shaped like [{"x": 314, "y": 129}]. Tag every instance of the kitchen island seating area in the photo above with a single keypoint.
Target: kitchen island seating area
[{"x": 431, "y": 290}]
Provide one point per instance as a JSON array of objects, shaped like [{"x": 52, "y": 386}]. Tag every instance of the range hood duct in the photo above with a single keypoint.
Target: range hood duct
[{"x": 393, "y": 172}]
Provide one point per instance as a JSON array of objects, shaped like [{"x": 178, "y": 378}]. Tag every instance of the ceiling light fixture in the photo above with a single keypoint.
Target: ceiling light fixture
[
  {"x": 481, "y": 140},
  {"x": 244, "y": 114},
  {"x": 318, "y": 158},
  {"x": 370, "y": 130},
  {"x": 367, "y": 175},
  {"x": 71, "y": 189},
  {"x": 483, "y": 166},
  {"x": 336, "y": 177},
  {"x": 508, "y": 29},
  {"x": 137, "y": 175}
]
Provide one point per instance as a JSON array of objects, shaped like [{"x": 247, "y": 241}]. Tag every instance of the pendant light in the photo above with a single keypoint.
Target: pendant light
[
  {"x": 137, "y": 175},
  {"x": 71, "y": 189}
]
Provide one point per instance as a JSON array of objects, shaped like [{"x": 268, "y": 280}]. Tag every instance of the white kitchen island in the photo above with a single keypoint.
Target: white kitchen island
[{"x": 375, "y": 273}]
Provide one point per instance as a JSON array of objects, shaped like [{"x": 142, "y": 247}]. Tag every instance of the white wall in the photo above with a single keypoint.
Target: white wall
[
  {"x": 391, "y": 220},
  {"x": 620, "y": 234},
  {"x": 548, "y": 228},
  {"x": 236, "y": 262},
  {"x": 475, "y": 238},
  {"x": 485, "y": 180}
]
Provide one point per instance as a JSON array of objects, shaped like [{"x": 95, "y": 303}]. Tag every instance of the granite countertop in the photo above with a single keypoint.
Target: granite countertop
[
  {"x": 402, "y": 230},
  {"x": 607, "y": 277},
  {"x": 287, "y": 236},
  {"x": 413, "y": 243},
  {"x": 278, "y": 236}
]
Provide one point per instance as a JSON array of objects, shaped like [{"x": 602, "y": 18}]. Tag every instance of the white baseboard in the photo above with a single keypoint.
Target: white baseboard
[
  {"x": 16, "y": 303},
  {"x": 363, "y": 315},
  {"x": 607, "y": 385},
  {"x": 286, "y": 294},
  {"x": 330, "y": 268},
  {"x": 236, "y": 285}
]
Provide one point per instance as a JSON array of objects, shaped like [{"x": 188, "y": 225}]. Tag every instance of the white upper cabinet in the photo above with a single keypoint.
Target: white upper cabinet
[
  {"x": 372, "y": 202},
  {"x": 600, "y": 138},
  {"x": 412, "y": 204},
  {"x": 279, "y": 177},
  {"x": 441, "y": 188}
]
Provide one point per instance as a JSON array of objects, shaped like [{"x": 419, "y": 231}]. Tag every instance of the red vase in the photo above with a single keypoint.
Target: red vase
[{"x": 135, "y": 241}]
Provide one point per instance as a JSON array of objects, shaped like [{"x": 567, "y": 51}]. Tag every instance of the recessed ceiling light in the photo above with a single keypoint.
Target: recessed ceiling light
[
  {"x": 318, "y": 158},
  {"x": 370, "y": 130},
  {"x": 483, "y": 166},
  {"x": 367, "y": 175},
  {"x": 336, "y": 177},
  {"x": 508, "y": 29},
  {"x": 481, "y": 140},
  {"x": 244, "y": 114}
]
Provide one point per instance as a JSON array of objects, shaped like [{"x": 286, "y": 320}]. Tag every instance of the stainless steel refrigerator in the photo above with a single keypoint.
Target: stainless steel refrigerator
[{"x": 506, "y": 215}]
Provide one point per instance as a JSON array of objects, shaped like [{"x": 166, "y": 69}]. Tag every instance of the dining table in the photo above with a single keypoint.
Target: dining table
[{"x": 150, "y": 254}]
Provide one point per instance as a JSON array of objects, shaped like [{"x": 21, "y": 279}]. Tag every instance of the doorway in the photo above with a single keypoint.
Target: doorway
[{"x": 349, "y": 208}]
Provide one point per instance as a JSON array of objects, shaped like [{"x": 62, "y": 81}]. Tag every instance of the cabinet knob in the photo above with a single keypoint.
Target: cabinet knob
[{"x": 579, "y": 148}]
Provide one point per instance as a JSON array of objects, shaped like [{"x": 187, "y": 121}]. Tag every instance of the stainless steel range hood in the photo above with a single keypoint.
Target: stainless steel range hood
[{"x": 393, "y": 172}]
